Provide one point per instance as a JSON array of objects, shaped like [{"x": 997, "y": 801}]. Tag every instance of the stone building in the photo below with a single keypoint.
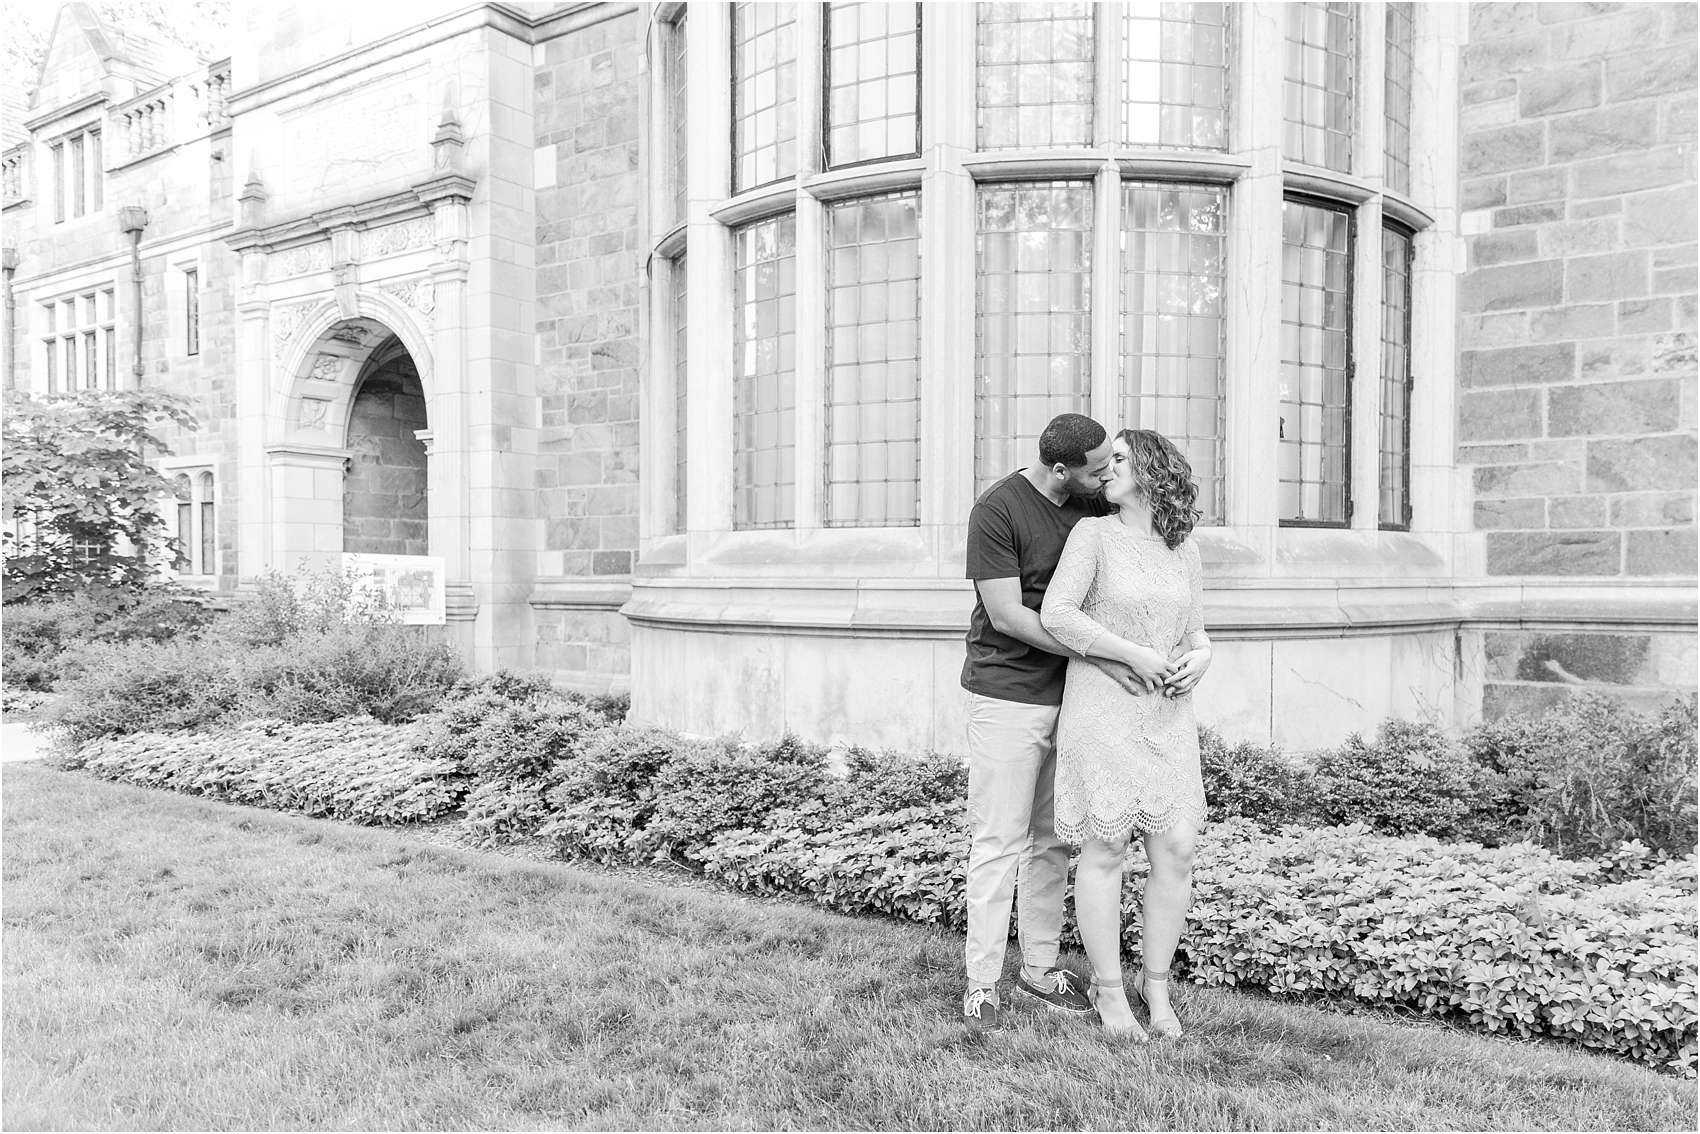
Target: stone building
[{"x": 687, "y": 334}]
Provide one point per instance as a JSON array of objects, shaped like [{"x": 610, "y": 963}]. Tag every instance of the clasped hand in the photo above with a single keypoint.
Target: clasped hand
[{"x": 1150, "y": 672}]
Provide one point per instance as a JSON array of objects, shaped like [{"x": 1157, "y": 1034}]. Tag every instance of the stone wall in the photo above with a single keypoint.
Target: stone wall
[
  {"x": 1577, "y": 310},
  {"x": 384, "y": 509},
  {"x": 1577, "y": 407},
  {"x": 588, "y": 98}
]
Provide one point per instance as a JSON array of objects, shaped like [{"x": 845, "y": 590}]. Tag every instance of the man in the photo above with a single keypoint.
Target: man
[{"x": 1014, "y": 677}]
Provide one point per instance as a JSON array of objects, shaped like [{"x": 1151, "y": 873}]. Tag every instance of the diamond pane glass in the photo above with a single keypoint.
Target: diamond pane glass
[
  {"x": 764, "y": 94},
  {"x": 764, "y": 374},
  {"x": 1400, "y": 35},
  {"x": 1175, "y": 75},
  {"x": 872, "y": 75},
  {"x": 1033, "y": 317},
  {"x": 1174, "y": 259},
  {"x": 680, "y": 393},
  {"x": 1395, "y": 449},
  {"x": 678, "y": 110},
  {"x": 1034, "y": 75},
  {"x": 1321, "y": 49},
  {"x": 873, "y": 378},
  {"x": 1312, "y": 461}
]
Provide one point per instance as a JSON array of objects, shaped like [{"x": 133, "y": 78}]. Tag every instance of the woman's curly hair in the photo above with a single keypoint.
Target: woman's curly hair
[{"x": 1165, "y": 479}]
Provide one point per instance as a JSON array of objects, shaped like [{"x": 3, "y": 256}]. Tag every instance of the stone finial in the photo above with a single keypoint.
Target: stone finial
[
  {"x": 9, "y": 259},
  {"x": 252, "y": 201},
  {"x": 448, "y": 143}
]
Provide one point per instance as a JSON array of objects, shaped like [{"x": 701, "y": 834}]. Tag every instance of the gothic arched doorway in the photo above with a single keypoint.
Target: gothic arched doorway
[{"x": 385, "y": 492}]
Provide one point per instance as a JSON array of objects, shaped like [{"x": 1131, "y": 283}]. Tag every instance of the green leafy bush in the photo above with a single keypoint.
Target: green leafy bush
[
  {"x": 1255, "y": 782},
  {"x": 1409, "y": 780},
  {"x": 36, "y": 634},
  {"x": 359, "y": 770},
  {"x": 1591, "y": 774},
  {"x": 117, "y": 688},
  {"x": 513, "y": 737}
]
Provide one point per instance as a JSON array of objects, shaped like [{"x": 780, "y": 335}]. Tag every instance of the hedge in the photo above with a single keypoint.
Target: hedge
[
  {"x": 360, "y": 770},
  {"x": 1513, "y": 939}
]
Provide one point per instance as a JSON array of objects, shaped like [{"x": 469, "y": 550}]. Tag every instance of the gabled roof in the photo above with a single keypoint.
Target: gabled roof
[
  {"x": 13, "y": 111},
  {"x": 127, "y": 53}
]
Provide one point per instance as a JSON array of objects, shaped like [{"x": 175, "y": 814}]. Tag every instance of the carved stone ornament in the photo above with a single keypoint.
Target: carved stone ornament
[
  {"x": 351, "y": 335},
  {"x": 327, "y": 367},
  {"x": 314, "y": 413},
  {"x": 285, "y": 321},
  {"x": 394, "y": 238},
  {"x": 419, "y": 294},
  {"x": 300, "y": 261}
]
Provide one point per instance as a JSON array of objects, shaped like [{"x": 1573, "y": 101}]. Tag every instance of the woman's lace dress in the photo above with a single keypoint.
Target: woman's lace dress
[{"x": 1124, "y": 762}]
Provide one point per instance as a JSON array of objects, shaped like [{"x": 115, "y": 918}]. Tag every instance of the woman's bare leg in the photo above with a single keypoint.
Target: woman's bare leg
[
  {"x": 1168, "y": 893},
  {"x": 1098, "y": 908}
]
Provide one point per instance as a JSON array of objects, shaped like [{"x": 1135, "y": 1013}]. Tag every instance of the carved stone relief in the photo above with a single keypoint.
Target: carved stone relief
[
  {"x": 394, "y": 238},
  {"x": 419, "y": 294},
  {"x": 285, "y": 321},
  {"x": 314, "y": 413},
  {"x": 354, "y": 336},
  {"x": 299, "y": 261},
  {"x": 327, "y": 367}
]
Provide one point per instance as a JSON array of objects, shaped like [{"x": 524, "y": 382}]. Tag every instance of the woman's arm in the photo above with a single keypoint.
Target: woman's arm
[
  {"x": 1190, "y": 666},
  {"x": 1073, "y": 627}
]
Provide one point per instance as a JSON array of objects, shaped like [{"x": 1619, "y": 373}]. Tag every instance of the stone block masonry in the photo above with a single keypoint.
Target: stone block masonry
[
  {"x": 588, "y": 88},
  {"x": 1577, "y": 358}
]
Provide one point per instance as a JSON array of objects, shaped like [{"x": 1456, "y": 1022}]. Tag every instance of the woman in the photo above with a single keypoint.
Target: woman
[{"x": 1129, "y": 588}]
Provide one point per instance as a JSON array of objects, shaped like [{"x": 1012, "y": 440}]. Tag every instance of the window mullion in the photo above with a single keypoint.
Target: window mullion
[
  {"x": 1365, "y": 378},
  {"x": 1107, "y": 119},
  {"x": 708, "y": 268},
  {"x": 1106, "y": 295}
]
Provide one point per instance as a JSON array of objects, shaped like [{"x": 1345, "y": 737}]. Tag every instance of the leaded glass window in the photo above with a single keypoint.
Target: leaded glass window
[
  {"x": 681, "y": 392},
  {"x": 1175, "y": 75},
  {"x": 873, "y": 377},
  {"x": 209, "y": 529},
  {"x": 1400, "y": 34},
  {"x": 764, "y": 94},
  {"x": 678, "y": 109},
  {"x": 1034, "y": 75},
  {"x": 192, "y": 311},
  {"x": 1313, "y": 459},
  {"x": 1033, "y": 317},
  {"x": 1395, "y": 448},
  {"x": 872, "y": 72},
  {"x": 1321, "y": 48},
  {"x": 185, "y": 523},
  {"x": 764, "y": 376},
  {"x": 1174, "y": 258}
]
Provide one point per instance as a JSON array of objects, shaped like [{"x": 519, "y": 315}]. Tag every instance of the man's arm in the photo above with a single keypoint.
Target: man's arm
[{"x": 1008, "y": 615}]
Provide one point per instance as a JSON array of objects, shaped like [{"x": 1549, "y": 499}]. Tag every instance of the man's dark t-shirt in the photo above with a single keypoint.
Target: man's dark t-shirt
[{"x": 1015, "y": 531}]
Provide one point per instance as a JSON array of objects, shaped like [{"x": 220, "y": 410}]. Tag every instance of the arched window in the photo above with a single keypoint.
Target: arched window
[{"x": 195, "y": 534}]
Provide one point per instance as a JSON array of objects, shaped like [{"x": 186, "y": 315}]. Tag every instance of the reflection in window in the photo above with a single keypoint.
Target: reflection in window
[
  {"x": 1320, "y": 49},
  {"x": 764, "y": 93},
  {"x": 185, "y": 537},
  {"x": 1312, "y": 460},
  {"x": 1175, "y": 75},
  {"x": 873, "y": 381},
  {"x": 1033, "y": 318},
  {"x": 872, "y": 67},
  {"x": 678, "y": 109},
  {"x": 1034, "y": 75},
  {"x": 209, "y": 529},
  {"x": 1174, "y": 247},
  {"x": 680, "y": 393},
  {"x": 1395, "y": 379},
  {"x": 1400, "y": 33},
  {"x": 764, "y": 374}
]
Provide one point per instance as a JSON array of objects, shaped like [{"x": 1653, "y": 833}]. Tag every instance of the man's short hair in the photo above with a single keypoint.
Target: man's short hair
[{"x": 1068, "y": 439}]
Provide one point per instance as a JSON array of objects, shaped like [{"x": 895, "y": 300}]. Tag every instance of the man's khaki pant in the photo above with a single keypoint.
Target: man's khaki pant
[{"x": 1011, "y": 772}]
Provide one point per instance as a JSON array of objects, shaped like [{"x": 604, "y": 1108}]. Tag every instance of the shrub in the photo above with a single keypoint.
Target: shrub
[
  {"x": 390, "y": 673},
  {"x": 708, "y": 788},
  {"x": 512, "y": 736},
  {"x": 36, "y": 634},
  {"x": 1251, "y": 781},
  {"x": 602, "y": 802},
  {"x": 1410, "y": 780},
  {"x": 358, "y": 770},
  {"x": 1592, "y": 774},
  {"x": 115, "y": 688}
]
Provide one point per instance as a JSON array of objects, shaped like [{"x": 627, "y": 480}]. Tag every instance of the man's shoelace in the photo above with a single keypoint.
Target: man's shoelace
[{"x": 977, "y": 997}]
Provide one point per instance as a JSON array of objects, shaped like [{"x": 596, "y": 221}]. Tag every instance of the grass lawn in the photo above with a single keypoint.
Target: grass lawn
[{"x": 177, "y": 964}]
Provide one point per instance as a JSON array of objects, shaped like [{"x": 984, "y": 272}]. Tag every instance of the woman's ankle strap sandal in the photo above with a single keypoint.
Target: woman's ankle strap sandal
[{"x": 1164, "y": 1027}]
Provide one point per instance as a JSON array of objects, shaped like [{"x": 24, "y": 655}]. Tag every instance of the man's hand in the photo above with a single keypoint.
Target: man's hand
[
  {"x": 1189, "y": 667},
  {"x": 1124, "y": 676},
  {"x": 1148, "y": 665}
]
